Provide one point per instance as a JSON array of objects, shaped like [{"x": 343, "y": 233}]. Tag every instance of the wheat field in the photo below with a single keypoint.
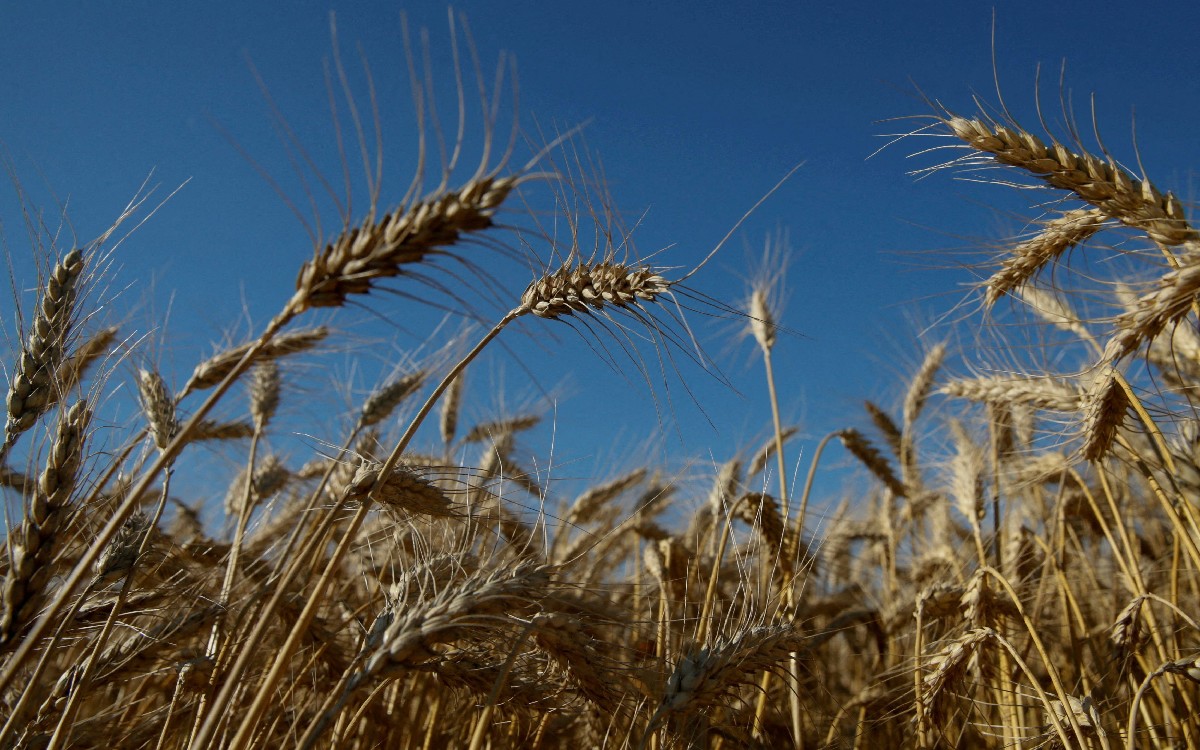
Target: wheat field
[{"x": 1023, "y": 571}]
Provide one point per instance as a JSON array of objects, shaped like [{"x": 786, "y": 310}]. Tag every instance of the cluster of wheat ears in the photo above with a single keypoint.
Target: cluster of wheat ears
[{"x": 1024, "y": 572}]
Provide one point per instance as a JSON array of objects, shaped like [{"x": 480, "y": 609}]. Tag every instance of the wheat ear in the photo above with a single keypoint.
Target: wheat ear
[
  {"x": 1103, "y": 184},
  {"x": 869, "y": 455},
  {"x": 702, "y": 677},
  {"x": 32, "y": 546},
  {"x": 1105, "y": 406},
  {"x": 403, "y": 639},
  {"x": 213, "y": 370},
  {"x": 1063, "y": 232},
  {"x": 384, "y": 248},
  {"x": 380, "y": 404},
  {"x": 1054, "y": 394},
  {"x": 158, "y": 408},
  {"x": 31, "y": 391},
  {"x": 1152, "y": 313},
  {"x": 590, "y": 287}
]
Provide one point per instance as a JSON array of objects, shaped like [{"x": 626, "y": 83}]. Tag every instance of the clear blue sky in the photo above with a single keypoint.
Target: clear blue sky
[{"x": 697, "y": 109}]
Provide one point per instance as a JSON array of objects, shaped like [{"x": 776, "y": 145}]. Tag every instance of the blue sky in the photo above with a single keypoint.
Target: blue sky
[{"x": 696, "y": 108}]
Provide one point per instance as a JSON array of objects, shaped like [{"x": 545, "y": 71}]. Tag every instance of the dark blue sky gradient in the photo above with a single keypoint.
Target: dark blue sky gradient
[{"x": 696, "y": 108}]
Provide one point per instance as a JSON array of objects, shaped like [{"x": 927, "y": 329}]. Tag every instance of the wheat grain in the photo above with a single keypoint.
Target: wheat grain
[
  {"x": 590, "y": 503},
  {"x": 72, "y": 371},
  {"x": 702, "y": 677},
  {"x": 1156, "y": 310},
  {"x": 500, "y": 429},
  {"x": 761, "y": 510},
  {"x": 448, "y": 418},
  {"x": 1054, "y": 310},
  {"x": 209, "y": 430},
  {"x": 122, "y": 552},
  {"x": 922, "y": 385},
  {"x": 967, "y": 475},
  {"x": 762, "y": 320},
  {"x": 886, "y": 426},
  {"x": 767, "y": 451},
  {"x": 269, "y": 477}
]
